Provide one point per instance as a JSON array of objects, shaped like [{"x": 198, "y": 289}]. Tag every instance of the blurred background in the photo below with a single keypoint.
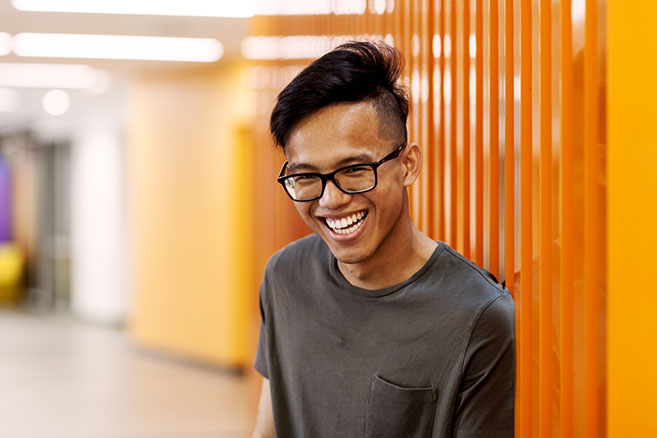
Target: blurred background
[{"x": 138, "y": 204}]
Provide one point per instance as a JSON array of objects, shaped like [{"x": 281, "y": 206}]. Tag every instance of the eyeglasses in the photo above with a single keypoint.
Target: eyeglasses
[{"x": 356, "y": 178}]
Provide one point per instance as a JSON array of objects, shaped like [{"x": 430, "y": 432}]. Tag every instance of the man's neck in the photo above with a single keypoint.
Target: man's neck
[{"x": 394, "y": 262}]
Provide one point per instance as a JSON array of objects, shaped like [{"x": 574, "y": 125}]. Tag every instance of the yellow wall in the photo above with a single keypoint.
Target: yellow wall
[
  {"x": 632, "y": 212},
  {"x": 190, "y": 214}
]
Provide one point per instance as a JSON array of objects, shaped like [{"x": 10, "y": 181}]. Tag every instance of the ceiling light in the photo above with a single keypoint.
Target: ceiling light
[
  {"x": 202, "y": 8},
  {"x": 193, "y": 8},
  {"x": 9, "y": 100},
  {"x": 71, "y": 76},
  {"x": 148, "y": 48},
  {"x": 5, "y": 44},
  {"x": 56, "y": 102}
]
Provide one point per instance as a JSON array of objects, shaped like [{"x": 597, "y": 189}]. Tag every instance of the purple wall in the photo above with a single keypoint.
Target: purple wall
[{"x": 5, "y": 202}]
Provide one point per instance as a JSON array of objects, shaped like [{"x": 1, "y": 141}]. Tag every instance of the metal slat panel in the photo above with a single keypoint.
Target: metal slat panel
[{"x": 442, "y": 200}]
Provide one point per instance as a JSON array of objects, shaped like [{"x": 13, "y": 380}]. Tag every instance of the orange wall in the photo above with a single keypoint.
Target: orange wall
[
  {"x": 632, "y": 213},
  {"x": 190, "y": 214},
  {"x": 513, "y": 133}
]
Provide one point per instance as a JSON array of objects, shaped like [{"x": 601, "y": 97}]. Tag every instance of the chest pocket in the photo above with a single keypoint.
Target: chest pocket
[{"x": 398, "y": 412}]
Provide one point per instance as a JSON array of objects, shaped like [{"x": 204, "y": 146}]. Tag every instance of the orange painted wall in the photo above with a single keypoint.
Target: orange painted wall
[
  {"x": 509, "y": 106},
  {"x": 190, "y": 214},
  {"x": 632, "y": 212}
]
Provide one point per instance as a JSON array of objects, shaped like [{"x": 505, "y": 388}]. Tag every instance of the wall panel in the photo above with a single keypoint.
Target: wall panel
[
  {"x": 632, "y": 214},
  {"x": 190, "y": 214}
]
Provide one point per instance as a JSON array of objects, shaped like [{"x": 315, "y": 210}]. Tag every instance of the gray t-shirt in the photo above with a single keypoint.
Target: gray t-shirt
[{"x": 432, "y": 356}]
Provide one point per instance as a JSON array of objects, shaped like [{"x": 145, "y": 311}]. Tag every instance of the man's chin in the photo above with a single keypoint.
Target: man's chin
[{"x": 348, "y": 256}]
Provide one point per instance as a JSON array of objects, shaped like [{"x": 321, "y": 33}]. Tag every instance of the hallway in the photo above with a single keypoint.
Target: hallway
[{"x": 63, "y": 379}]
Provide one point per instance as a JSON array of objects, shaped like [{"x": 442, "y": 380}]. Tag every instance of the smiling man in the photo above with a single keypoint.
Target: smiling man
[{"x": 369, "y": 327}]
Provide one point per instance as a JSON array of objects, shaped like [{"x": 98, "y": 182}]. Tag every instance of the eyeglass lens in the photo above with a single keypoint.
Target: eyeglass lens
[{"x": 352, "y": 179}]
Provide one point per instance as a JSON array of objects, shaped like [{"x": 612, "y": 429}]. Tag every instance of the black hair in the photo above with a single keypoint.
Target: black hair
[{"x": 352, "y": 72}]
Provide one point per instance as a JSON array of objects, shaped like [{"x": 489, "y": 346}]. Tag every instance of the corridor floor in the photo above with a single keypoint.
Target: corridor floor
[{"x": 63, "y": 379}]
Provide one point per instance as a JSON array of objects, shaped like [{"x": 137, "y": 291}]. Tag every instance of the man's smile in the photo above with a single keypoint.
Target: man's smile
[{"x": 345, "y": 225}]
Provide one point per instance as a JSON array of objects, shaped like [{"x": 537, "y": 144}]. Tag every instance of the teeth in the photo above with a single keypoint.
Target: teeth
[{"x": 339, "y": 226}]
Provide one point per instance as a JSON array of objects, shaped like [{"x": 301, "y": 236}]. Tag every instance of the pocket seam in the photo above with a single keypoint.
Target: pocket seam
[
  {"x": 369, "y": 405},
  {"x": 434, "y": 401},
  {"x": 404, "y": 388}
]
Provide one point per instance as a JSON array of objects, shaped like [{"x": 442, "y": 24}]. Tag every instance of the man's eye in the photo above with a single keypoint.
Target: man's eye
[
  {"x": 305, "y": 180},
  {"x": 356, "y": 170}
]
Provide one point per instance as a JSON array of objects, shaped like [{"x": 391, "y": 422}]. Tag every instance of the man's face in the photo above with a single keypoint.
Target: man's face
[{"x": 337, "y": 136}]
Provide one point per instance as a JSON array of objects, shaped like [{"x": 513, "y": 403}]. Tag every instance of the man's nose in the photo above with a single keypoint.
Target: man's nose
[{"x": 333, "y": 197}]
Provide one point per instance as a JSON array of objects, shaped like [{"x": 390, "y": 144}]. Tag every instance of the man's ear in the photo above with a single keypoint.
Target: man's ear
[{"x": 411, "y": 164}]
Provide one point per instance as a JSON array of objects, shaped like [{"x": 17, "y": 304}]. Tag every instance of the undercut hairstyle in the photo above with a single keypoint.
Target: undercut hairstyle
[{"x": 352, "y": 72}]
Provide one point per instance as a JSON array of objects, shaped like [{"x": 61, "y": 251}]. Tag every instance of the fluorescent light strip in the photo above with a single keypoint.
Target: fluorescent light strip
[
  {"x": 192, "y": 8},
  {"x": 117, "y": 47},
  {"x": 5, "y": 44},
  {"x": 69, "y": 76},
  {"x": 201, "y": 8}
]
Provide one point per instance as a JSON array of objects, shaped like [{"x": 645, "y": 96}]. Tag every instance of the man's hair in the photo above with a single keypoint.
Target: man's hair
[{"x": 352, "y": 72}]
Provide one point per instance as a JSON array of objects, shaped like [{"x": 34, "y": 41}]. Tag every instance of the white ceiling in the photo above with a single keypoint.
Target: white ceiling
[
  {"x": 230, "y": 31},
  {"x": 30, "y": 115}
]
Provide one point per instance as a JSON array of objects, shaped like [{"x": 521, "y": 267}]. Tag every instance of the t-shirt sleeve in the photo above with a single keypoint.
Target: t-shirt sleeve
[
  {"x": 485, "y": 403},
  {"x": 260, "y": 363}
]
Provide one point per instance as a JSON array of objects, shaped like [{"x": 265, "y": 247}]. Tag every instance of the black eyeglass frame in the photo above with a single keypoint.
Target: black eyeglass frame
[{"x": 324, "y": 177}]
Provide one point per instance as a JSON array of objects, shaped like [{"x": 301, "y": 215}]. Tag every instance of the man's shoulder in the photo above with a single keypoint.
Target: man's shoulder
[
  {"x": 473, "y": 283},
  {"x": 307, "y": 248},
  {"x": 476, "y": 297}
]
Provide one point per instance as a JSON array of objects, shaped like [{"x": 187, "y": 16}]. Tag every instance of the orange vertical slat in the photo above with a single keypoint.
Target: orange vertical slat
[
  {"x": 509, "y": 166},
  {"x": 419, "y": 26},
  {"x": 453, "y": 136},
  {"x": 526, "y": 256},
  {"x": 567, "y": 222},
  {"x": 467, "y": 64},
  {"x": 545, "y": 315},
  {"x": 410, "y": 28},
  {"x": 429, "y": 122},
  {"x": 592, "y": 225},
  {"x": 397, "y": 27},
  {"x": 441, "y": 133},
  {"x": 479, "y": 137},
  {"x": 494, "y": 192},
  {"x": 509, "y": 189}
]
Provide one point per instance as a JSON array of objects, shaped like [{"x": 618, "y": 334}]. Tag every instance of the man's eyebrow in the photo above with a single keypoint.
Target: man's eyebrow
[
  {"x": 295, "y": 168},
  {"x": 354, "y": 159}
]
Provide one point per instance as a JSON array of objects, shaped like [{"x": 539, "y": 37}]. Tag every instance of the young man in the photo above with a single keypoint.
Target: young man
[{"x": 369, "y": 327}]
